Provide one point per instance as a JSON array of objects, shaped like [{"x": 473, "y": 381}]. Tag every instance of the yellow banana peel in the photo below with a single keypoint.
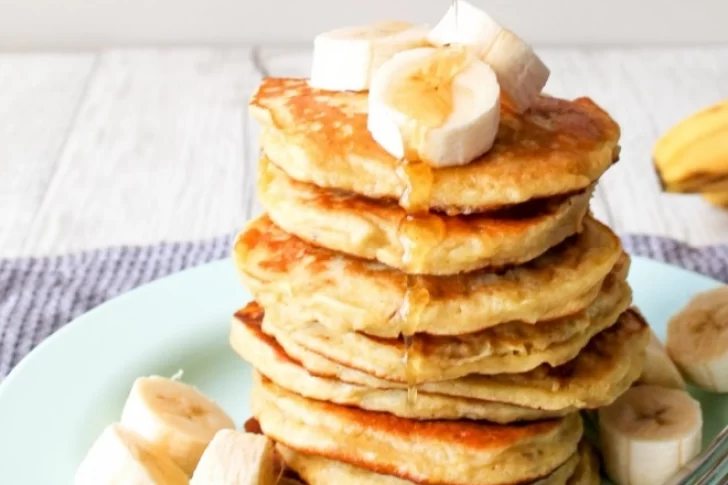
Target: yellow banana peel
[
  {"x": 692, "y": 157},
  {"x": 719, "y": 199}
]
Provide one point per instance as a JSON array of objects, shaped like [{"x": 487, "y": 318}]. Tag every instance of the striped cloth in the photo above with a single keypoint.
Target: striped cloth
[{"x": 40, "y": 295}]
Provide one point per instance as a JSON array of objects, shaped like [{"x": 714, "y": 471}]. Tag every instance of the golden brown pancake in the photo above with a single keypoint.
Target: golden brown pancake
[
  {"x": 303, "y": 283},
  {"x": 426, "y": 452},
  {"x": 321, "y": 471},
  {"x": 382, "y": 230},
  {"x": 603, "y": 370},
  {"x": 506, "y": 348},
  {"x": 321, "y": 137},
  {"x": 269, "y": 358}
]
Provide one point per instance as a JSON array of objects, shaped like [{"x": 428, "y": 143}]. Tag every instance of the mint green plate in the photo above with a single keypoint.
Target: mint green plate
[{"x": 54, "y": 404}]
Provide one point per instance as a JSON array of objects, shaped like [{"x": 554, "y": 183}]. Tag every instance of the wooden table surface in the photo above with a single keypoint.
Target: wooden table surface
[{"x": 137, "y": 146}]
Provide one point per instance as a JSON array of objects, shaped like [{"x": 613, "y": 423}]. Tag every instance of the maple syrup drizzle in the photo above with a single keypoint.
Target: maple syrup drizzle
[
  {"x": 418, "y": 180},
  {"x": 415, "y": 300},
  {"x": 410, "y": 373},
  {"x": 418, "y": 233}
]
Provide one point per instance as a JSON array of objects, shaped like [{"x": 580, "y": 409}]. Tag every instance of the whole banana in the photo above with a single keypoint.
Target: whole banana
[{"x": 692, "y": 157}]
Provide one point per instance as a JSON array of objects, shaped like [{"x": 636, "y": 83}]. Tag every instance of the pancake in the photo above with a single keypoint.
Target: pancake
[
  {"x": 506, "y": 348},
  {"x": 302, "y": 282},
  {"x": 382, "y": 231},
  {"x": 317, "y": 470},
  {"x": 603, "y": 370},
  {"x": 264, "y": 353},
  {"x": 556, "y": 147},
  {"x": 425, "y": 452}
]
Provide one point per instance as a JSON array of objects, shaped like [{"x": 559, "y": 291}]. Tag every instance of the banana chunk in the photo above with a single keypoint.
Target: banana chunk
[
  {"x": 236, "y": 458},
  {"x": 697, "y": 340},
  {"x": 648, "y": 434},
  {"x": 659, "y": 369},
  {"x": 693, "y": 155},
  {"x": 521, "y": 73},
  {"x": 345, "y": 59},
  {"x": 440, "y": 106},
  {"x": 122, "y": 457},
  {"x": 176, "y": 419}
]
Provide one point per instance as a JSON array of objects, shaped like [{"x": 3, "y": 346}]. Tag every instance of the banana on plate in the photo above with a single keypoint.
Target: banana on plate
[
  {"x": 692, "y": 157},
  {"x": 237, "y": 458},
  {"x": 122, "y": 457},
  {"x": 175, "y": 419},
  {"x": 659, "y": 369},
  {"x": 648, "y": 434},
  {"x": 697, "y": 340}
]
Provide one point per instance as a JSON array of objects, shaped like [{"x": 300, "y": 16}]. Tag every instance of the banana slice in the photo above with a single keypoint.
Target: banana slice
[
  {"x": 693, "y": 155},
  {"x": 522, "y": 75},
  {"x": 648, "y": 434},
  {"x": 176, "y": 419},
  {"x": 697, "y": 340},
  {"x": 236, "y": 458},
  {"x": 659, "y": 369},
  {"x": 436, "y": 105},
  {"x": 122, "y": 457},
  {"x": 345, "y": 59}
]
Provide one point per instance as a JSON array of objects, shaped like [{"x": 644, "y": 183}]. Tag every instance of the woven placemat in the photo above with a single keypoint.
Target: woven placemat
[{"x": 40, "y": 295}]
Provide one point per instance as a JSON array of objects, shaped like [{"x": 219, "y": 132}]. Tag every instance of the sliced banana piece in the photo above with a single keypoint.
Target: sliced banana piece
[
  {"x": 175, "y": 418},
  {"x": 521, "y": 73},
  {"x": 236, "y": 458},
  {"x": 697, "y": 340},
  {"x": 436, "y": 105},
  {"x": 345, "y": 59},
  {"x": 659, "y": 369},
  {"x": 122, "y": 457},
  {"x": 648, "y": 434}
]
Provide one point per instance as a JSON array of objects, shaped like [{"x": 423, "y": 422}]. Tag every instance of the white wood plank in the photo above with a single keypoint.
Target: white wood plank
[
  {"x": 647, "y": 91},
  {"x": 156, "y": 153},
  {"x": 39, "y": 94}
]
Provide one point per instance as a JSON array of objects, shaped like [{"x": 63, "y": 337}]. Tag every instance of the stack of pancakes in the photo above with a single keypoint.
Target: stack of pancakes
[{"x": 432, "y": 326}]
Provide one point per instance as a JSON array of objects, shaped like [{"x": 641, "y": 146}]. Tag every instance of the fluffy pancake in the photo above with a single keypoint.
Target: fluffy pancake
[
  {"x": 373, "y": 229},
  {"x": 264, "y": 353},
  {"x": 321, "y": 137},
  {"x": 303, "y": 282},
  {"x": 426, "y": 452},
  {"x": 506, "y": 348},
  {"x": 317, "y": 470},
  {"x": 603, "y": 370}
]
